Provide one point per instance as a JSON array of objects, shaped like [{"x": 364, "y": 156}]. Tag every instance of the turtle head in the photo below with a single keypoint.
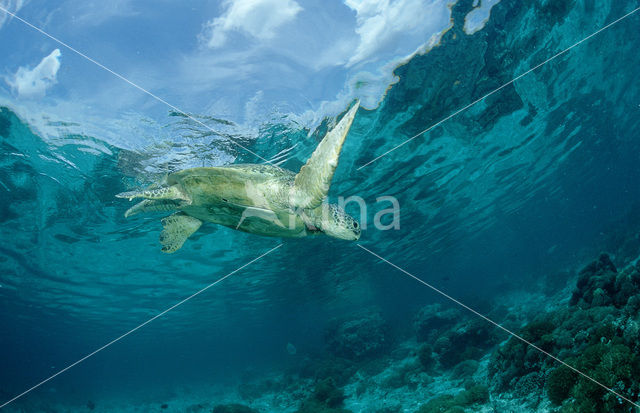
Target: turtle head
[{"x": 336, "y": 223}]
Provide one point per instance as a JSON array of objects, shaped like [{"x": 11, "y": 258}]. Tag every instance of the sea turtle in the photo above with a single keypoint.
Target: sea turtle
[{"x": 258, "y": 198}]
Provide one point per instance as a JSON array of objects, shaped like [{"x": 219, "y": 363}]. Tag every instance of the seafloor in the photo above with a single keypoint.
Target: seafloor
[{"x": 447, "y": 359}]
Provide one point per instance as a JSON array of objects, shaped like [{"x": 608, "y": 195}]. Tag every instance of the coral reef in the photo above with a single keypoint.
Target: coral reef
[
  {"x": 233, "y": 408},
  {"x": 475, "y": 394},
  {"x": 597, "y": 334},
  {"x": 425, "y": 356},
  {"x": 406, "y": 374},
  {"x": 596, "y": 331},
  {"x": 597, "y": 284},
  {"x": 516, "y": 359},
  {"x": 433, "y": 319},
  {"x": 559, "y": 384},
  {"x": 465, "y": 369},
  {"x": 358, "y": 339},
  {"x": 326, "y": 398},
  {"x": 338, "y": 369},
  {"x": 452, "y": 336},
  {"x": 195, "y": 408},
  {"x": 613, "y": 365},
  {"x": 391, "y": 409}
]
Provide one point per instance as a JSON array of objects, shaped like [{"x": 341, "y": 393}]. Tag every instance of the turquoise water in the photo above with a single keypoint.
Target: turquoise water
[{"x": 509, "y": 197}]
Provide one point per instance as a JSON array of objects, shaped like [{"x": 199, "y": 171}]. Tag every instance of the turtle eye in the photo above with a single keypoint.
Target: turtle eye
[{"x": 355, "y": 224}]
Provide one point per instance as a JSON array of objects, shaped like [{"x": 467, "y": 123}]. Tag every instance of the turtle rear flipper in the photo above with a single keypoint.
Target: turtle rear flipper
[
  {"x": 312, "y": 183},
  {"x": 177, "y": 228},
  {"x": 155, "y": 205},
  {"x": 162, "y": 192}
]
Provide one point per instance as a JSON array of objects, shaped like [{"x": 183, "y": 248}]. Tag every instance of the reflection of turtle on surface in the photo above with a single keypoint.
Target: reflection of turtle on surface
[{"x": 261, "y": 199}]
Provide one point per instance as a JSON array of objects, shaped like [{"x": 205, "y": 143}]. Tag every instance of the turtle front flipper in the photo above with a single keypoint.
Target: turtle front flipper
[
  {"x": 312, "y": 183},
  {"x": 162, "y": 192},
  {"x": 177, "y": 228}
]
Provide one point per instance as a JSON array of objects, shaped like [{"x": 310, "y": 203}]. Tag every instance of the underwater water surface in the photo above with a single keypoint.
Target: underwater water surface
[{"x": 506, "y": 207}]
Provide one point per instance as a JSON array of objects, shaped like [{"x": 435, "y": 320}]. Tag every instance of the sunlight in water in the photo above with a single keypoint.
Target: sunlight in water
[{"x": 479, "y": 254}]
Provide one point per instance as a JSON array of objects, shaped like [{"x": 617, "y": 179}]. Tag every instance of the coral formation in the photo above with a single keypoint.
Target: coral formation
[
  {"x": 358, "y": 339},
  {"x": 326, "y": 398},
  {"x": 475, "y": 394},
  {"x": 451, "y": 335},
  {"x": 336, "y": 368},
  {"x": 559, "y": 383},
  {"x": 597, "y": 334},
  {"x": 465, "y": 369},
  {"x": 613, "y": 365},
  {"x": 390, "y": 409},
  {"x": 432, "y": 319},
  {"x": 233, "y": 408},
  {"x": 425, "y": 356}
]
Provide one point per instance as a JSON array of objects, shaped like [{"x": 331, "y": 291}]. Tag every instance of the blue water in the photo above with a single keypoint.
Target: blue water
[{"x": 532, "y": 182}]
